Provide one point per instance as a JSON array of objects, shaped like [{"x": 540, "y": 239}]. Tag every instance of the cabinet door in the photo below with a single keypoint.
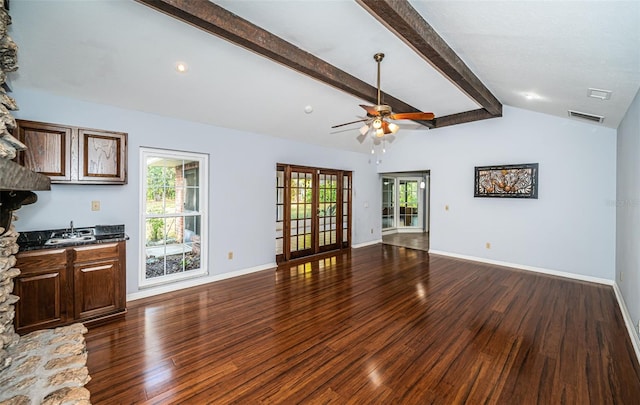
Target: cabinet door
[
  {"x": 42, "y": 288},
  {"x": 99, "y": 273},
  {"x": 48, "y": 149},
  {"x": 95, "y": 288},
  {"x": 102, "y": 156}
]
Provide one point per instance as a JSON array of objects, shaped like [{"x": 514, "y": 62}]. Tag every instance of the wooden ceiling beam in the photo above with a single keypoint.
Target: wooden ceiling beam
[
  {"x": 402, "y": 19},
  {"x": 463, "y": 117},
  {"x": 218, "y": 21}
]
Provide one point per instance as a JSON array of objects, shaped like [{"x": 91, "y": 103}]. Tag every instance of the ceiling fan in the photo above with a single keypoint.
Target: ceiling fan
[{"x": 378, "y": 116}]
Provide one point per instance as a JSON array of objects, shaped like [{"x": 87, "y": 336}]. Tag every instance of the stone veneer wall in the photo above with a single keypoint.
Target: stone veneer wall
[
  {"x": 8, "y": 337},
  {"x": 46, "y": 366}
]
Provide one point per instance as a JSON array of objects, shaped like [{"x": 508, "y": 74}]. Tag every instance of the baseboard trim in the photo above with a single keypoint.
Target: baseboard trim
[
  {"x": 542, "y": 270},
  {"x": 150, "y": 292},
  {"x": 633, "y": 334},
  {"x": 372, "y": 242}
]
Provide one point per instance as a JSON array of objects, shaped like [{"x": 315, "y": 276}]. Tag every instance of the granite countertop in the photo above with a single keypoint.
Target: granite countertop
[{"x": 34, "y": 240}]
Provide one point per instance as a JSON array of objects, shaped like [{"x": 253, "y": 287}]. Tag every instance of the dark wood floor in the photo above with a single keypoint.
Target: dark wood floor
[
  {"x": 417, "y": 240},
  {"x": 380, "y": 324}
]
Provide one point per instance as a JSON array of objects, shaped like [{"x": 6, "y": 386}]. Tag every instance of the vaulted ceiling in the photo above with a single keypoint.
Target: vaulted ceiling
[{"x": 260, "y": 66}]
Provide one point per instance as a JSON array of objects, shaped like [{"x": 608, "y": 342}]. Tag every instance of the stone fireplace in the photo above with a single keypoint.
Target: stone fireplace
[{"x": 45, "y": 366}]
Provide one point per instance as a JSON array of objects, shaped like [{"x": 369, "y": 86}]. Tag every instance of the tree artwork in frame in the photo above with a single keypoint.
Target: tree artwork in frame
[{"x": 507, "y": 181}]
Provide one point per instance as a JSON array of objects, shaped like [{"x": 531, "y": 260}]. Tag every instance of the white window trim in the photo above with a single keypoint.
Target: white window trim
[{"x": 203, "y": 160}]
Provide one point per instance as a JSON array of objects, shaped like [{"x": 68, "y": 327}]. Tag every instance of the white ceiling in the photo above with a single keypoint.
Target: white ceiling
[{"x": 123, "y": 53}]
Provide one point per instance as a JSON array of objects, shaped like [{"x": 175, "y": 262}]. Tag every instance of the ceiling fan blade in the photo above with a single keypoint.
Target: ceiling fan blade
[
  {"x": 349, "y": 123},
  {"x": 371, "y": 110},
  {"x": 418, "y": 116}
]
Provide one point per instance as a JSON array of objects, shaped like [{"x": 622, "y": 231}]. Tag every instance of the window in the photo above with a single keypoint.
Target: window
[{"x": 173, "y": 224}]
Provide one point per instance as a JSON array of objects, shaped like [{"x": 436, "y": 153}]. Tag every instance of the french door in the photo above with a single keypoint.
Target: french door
[
  {"x": 313, "y": 211},
  {"x": 403, "y": 203}
]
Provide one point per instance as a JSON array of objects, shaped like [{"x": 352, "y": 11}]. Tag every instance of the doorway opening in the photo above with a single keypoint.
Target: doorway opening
[{"x": 405, "y": 209}]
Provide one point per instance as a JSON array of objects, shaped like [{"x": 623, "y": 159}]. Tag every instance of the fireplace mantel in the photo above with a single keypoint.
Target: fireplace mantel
[{"x": 16, "y": 177}]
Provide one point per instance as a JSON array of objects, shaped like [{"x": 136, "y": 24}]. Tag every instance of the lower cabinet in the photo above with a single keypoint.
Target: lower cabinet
[
  {"x": 76, "y": 284},
  {"x": 98, "y": 280},
  {"x": 43, "y": 289}
]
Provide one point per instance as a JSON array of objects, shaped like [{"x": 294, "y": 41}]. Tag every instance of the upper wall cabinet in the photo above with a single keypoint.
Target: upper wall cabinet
[
  {"x": 49, "y": 149},
  {"x": 102, "y": 156},
  {"x": 69, "y": 154}
]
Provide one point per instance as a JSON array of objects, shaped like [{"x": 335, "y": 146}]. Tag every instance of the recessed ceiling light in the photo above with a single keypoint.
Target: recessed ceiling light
[
  {"x": 531, "y": 96},
  {"x": 599, "y": 94},
  {"x": 181, "y": 67}
]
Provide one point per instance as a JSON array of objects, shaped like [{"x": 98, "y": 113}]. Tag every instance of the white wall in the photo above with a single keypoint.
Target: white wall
[
  {"x": 242, "y": 182},
  {"x": 628, "y": 213},
  {"x": 570, "y": 228}
]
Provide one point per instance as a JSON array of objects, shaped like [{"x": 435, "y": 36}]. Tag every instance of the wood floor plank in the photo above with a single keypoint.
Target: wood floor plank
[{"x": 380, "y": 324}]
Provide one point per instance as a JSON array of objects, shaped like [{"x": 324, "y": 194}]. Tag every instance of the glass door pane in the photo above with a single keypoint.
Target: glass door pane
[
  {"x": 280, "y": 189},
  {"x": 388, "y": 203},
  {"x": 301, "y": 211},
  {"x": 327, "y": 210},
  {"x": 408, "y": 203},
  {"x": 346, "y": 209}
]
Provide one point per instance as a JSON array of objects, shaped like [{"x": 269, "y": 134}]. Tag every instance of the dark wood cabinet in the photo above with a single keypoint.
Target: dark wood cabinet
[
  {"x": 99, "y": 280},
  {"x": 69, "y": 154},
  {"x": 49, "y": 149},
  {"x": 76, "y": 284},
  {"x": 43, "y": 290}
]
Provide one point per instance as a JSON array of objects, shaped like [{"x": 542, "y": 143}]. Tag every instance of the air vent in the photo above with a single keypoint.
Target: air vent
[
  {"x": 599, "y": 94},
  {"x": 585, "y": 116}
]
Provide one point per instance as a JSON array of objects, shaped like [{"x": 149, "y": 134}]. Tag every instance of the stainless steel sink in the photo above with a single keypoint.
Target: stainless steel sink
[
  {"x": 64, "y": 241},
  {"x": 73, "y": 236}
]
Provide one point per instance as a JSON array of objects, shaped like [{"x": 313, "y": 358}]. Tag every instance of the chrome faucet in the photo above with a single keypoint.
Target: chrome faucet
[{"x": 71, "y": 233}]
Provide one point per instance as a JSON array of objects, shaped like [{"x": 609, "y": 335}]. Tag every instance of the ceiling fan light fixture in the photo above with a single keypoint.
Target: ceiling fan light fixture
[
  {"x": 364, "y": 129},
  {"x": 377, "y": 125}
]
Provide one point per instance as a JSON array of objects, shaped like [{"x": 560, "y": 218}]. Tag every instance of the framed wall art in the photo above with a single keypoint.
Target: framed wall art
[{"x": 507, "y": 181}]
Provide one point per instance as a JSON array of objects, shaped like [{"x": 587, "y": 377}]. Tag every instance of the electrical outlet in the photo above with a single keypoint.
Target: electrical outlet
[
  {"x": 230, "y": 255},
  {"x": 620, "y": 275},
  {"x": 488, "y": 245},
  {"x": 95, "y": 205},
  {"x": 372, "y": 231}
]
